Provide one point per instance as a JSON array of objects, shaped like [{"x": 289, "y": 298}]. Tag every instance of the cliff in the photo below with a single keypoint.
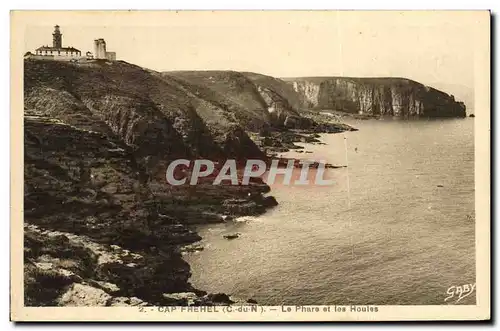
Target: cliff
[
  {"x": 102, "y": 226},
  {"x": 257, "y": 106},
  {"x": 82, "y": 199},
  {"x": 267, "y": 108},
  {"x": 375, "y": 96},
  {"x": 101, "y": 222},
  {"x": 98, "y": 234}
]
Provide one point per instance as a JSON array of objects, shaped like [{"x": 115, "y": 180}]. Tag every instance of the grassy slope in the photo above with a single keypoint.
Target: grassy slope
[
  {"x": 142, "y": 107},
  {"x": 230, "y": 90},
  {"x": 279, "y": 86}
]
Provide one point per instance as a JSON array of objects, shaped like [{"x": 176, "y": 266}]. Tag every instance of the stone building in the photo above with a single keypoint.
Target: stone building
[
  {"x": 100, "y": 51},
  {"x": 57, "y": 51},
  {"x": 111, "y": 56}
]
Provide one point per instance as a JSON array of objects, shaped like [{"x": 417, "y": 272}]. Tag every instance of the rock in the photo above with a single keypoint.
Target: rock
[
  {"x": 385, "y": 96},
  {"x": 179, "y": 299},
  {"x": 219, "y": 298},
  {"x": 52, "y": 265},
  {"x": 227, "y": 218},
  {"x": 115, "y": 248},
  {"x": 472, "y": 115},
  {"x": 253, "y": 301},
  {"x": 44, "y": 265},
  {"x": 70, "y": 275},
  {"x": 200, "y": 217},
  {"x": 269, "y": 201},
  {"x": 107, "y": 287},
  {"x": 127, "y": 302},
  {"x": 120, "y": 302},
  {"x": 440, "y": 185},
  {"x": 134, "y": 301},
  {"x": 294, "y": 122},
  {"x": 331, "y": 166},
  {"x": 79, "y": 295},
  {"x": 192, "y": 248},
  {"x": 231, "y": 236}
]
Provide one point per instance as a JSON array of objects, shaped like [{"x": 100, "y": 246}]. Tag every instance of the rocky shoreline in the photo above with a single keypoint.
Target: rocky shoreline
[
  {"x": 87, "y": 273},
  {"x": 102, "y": 227},
  {"x": 76, "y": 259}
]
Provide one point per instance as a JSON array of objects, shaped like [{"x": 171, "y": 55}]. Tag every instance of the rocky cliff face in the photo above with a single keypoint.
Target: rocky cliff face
[
  {"x": 102, "y": 225},
  {"x": 255, "y": 100},
  {"x": 375, "y": 96},
  {"x": 83, "y": 194},
  {"x": 98, "y": 138}
]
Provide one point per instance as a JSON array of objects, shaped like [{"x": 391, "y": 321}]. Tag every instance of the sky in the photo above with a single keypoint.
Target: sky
[{"x": 434, "y": 48}]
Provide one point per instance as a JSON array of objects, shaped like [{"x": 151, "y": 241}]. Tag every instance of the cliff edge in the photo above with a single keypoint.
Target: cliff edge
[
  {"x": 102, "y": 226},
  {"x": 375, "y": 96}
]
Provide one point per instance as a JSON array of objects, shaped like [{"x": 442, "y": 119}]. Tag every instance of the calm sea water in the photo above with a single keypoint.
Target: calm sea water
[{"x": 402, "y": 240}]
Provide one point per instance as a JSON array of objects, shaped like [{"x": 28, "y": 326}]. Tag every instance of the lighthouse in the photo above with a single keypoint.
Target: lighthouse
[{"x": 57, "y": 38}]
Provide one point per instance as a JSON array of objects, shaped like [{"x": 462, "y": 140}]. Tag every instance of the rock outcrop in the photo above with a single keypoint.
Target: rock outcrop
[
  {"x": 92, "y": 219},
  {"x": 375, "y": 96},
  {"x": 103, "y": 227},
  {"x": 255, "y": 105},
  {"x": 65, "y": 269}
]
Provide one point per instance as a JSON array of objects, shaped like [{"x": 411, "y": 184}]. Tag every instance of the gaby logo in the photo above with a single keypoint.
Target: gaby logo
[
  {"x": 460, "y": 292},
  {"x": 183, "y": 171}
]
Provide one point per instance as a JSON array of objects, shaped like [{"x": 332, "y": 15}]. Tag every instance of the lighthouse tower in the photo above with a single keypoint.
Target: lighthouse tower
[{"x": 57, "y": 38}]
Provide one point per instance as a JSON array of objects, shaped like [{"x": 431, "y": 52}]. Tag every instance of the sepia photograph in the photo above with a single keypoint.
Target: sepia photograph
[{"x": 250, "y": 165}]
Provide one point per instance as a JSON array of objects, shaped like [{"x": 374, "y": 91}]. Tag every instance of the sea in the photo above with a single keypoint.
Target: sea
[{"x": 396, "y": 227}]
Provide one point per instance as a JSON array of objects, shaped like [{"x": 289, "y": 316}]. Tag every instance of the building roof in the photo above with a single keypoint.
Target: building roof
[{"x": 62, "y": 49}]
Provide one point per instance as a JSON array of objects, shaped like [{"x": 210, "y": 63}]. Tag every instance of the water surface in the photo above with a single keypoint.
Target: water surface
[{"x": 402, "y": 239}]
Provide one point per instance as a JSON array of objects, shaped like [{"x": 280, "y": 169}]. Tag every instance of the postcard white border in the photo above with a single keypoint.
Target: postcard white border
[{"x": 480, "y": 311}]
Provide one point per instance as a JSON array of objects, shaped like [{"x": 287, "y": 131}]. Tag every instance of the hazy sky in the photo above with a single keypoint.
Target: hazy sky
[{"x": 435, "y": 48}]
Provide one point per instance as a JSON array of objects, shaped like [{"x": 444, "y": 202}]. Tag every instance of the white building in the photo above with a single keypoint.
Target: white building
[
  {"x": 56, "y": 51},
  {"x": 100, "y": 51}
]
